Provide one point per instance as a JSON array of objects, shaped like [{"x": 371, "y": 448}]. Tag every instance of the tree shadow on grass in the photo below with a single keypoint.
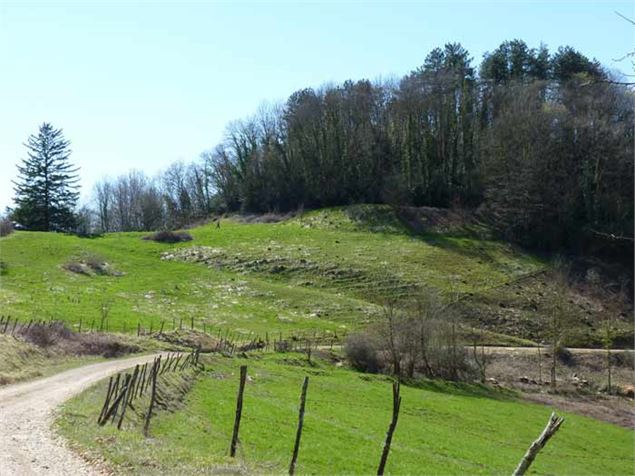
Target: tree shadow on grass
[{"x": 463, "y": 389}]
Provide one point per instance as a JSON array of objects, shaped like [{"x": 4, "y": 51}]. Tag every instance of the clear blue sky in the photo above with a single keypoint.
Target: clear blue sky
[{"x": 139, "y": 85}]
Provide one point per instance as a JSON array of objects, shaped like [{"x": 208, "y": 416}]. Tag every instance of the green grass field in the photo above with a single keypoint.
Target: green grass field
[
  {"x": 443, "y": 428},
  {"x": 326, "y": 270}
]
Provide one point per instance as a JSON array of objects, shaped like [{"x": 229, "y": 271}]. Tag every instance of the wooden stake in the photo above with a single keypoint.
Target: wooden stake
[
  {"x": 112, "y": 411},
  {"x": 298, "y": 435},
  {"x": 153, "y": 376},
  {"x": 396, "y": 404},
  {"x": 107, "y": 400},
  {"x": 552, "y": 426},
  {"x": 126, "y": 398},
  {"x": 239, "y": 410}
]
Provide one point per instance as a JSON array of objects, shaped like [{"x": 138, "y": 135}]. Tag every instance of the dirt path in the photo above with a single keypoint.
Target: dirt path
[
  {"x": 28, "y": 446},
  {"x": 533, "y": 350}
]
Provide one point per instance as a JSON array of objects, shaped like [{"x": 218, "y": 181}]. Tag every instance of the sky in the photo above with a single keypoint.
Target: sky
[{"x": 143, "y": 84}]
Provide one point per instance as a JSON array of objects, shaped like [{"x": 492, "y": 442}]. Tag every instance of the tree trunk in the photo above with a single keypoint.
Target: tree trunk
[{"x": 396, "y": 404}]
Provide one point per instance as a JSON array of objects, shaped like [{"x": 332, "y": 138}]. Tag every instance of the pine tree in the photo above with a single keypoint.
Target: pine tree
[{"x": 46, "y": 190}]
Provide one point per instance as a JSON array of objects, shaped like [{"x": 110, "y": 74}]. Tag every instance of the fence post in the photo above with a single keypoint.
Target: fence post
[
  {"x": 127, "y": 396},
  {"x": 153, "y": 376},
  {"x": 298, "y": 435},
  {"x": 107, "y": 401},
  {"x": 239, "y": 410},
  {"x": 552, "y": 426},
  {"x": 396, "y": 404},
  {"x": 112, "y": 411}
]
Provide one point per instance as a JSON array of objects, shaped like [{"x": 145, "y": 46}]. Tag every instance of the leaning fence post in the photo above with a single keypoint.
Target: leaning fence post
[
  {"x": 107, "y": 401},
  {"x": 153, "y": 376},
  {"x": 298, "y": 435},
  {"x": 552, "y": 426},
  {"x": 127, "y": 396},
  {"x": 239, "y": 410},
  {"x": 396, "y": 404}
]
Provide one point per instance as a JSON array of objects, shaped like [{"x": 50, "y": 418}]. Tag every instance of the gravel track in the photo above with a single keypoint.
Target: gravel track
[{"x": 28, "y": 446}]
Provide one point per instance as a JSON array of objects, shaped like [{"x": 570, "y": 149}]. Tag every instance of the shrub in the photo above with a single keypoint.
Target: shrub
[
  {"x": 361, "y": 350},
  {"x": 6, "y": 227},
  {"x": 45, "y": 335},
  {"x": 282, "y": 346},
  {"x": 91, "y": 265},
  {"x": 104, "y": 345},
  {"x": 3, "y": 268},
  {"x": 56, "y": 334},
  {"x": 564, "y": 355},
  {"x": 167, "y": 236},
  {"x": 97, "y": 264},
  {"x": 421, "y": 338},
  {"x": 77, "y": 267}
]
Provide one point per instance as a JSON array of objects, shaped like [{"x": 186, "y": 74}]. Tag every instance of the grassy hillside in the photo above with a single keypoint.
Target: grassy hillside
[
  {"x": 323, "y": 270},
  {"x": 442, "y": 429}
]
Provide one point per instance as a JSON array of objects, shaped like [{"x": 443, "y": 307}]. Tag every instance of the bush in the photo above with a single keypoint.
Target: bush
[
  {"x": 91, "y": 265},
  {"x": 46, "y": 334},
  {"x": 565, "y": 356},
  {"x": 56, "y": 334},
  {"x": 361, "y": 350},
  {"x": 77, "y": 268},
  {"x": 6, "y": 227},
  {"x": 97, "y": 264},
  {"x": 418, "y": 339},
  {"x": 167, "y": 236}
]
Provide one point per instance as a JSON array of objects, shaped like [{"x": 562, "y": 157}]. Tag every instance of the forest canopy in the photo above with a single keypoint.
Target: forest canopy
[{"x": 539, "y": 143}]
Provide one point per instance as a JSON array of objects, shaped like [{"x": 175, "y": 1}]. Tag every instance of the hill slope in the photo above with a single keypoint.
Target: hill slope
[
  {"x": 326, "y": 270},
  {"x": 443, "y": 428}
]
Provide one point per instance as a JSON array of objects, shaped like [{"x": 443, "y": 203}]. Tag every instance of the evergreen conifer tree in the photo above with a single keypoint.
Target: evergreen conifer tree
[{"x": 46, "y": 190}]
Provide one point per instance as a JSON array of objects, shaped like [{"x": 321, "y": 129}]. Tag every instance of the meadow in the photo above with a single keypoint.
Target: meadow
[
  {"x": 328, "y": 270},
  {"x": 443, "y": 428}
]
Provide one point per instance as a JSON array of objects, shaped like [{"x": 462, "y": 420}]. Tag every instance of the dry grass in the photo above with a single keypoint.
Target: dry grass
[
  {"x": 41, "y": 349},
  {"x": 91, "y": 265},
  {"x": 581, "y": 381},
  {"x": 56, "y": 334}
]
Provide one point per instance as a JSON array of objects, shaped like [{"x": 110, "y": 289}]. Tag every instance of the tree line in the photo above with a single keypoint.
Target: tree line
[{"x": 540, "y": 144}]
